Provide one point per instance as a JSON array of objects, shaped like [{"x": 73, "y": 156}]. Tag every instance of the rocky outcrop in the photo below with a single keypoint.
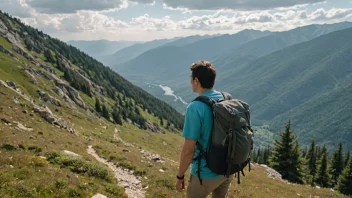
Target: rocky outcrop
[
  {"x": 12, "y": 84},
  {"x": 72, "y": 94},
  {"x": 46, "y": 114},
  {"x": 48, "y": 98},
  {"x": 49, "y": 69},
  {"x": 272, "y": 173},
  {"x": 154, "y": 128},
  {"x": 29, "y": 57},
  {"x": 31, "y": 77},
  {"x": 4, "y": 50}
]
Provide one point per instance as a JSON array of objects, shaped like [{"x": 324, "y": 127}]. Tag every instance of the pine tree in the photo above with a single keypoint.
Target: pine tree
[
  {"x": 161, "y": 121},
  {"x": 323, "y": 177},
  {"x": 347, "y": 159},
  {"x": 49, "y": 57},
  {"x": 345, "y": 180},
  {"x": 286, "y": 156},
  {"x": 312, "y": 161},
  {"x": 105, "y": 112},
  {"x": 97, "y": 105},
  {"x": 116, "y": 117},
  {"x": 259, "y": 156},
  {"x": 336, "y": 164}
]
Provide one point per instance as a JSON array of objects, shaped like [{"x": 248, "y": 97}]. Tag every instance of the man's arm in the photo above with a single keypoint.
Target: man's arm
[{"x": 186, "y": 156}]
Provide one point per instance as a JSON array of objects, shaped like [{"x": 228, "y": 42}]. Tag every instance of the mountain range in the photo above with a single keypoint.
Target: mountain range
[{"x": 261, "y": 68}]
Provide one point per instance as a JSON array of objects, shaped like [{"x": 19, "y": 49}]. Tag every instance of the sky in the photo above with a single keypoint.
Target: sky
[{"x": 144, "y": 20}]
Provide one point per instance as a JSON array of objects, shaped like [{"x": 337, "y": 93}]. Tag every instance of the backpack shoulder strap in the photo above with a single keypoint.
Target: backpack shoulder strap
[
  {"x": 208, "y": 101},
  {"x": 226, "y": 95}
]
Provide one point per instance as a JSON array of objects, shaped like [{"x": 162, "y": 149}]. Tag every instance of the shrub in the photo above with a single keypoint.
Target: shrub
[{"x": 9, "y": 147}]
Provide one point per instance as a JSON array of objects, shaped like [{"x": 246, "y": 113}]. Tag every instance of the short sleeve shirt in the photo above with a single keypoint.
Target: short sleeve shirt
[{"x": 197, "y": 126}]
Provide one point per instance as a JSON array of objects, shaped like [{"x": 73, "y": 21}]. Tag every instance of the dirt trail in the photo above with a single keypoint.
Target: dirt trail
[{"x": 133, "y": 186}]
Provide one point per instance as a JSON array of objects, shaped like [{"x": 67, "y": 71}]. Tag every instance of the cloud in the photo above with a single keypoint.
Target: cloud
[
  {"x": 148, "y": 23},
  {"x": 322, "y": 15},
  {"x": 71, "y": 6},
  {"x": 236, "y": 4},
  {"x": 17, "y": 8}
]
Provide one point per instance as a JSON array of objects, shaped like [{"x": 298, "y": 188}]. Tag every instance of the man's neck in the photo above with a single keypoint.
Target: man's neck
[{"x": 202, "y": 90}]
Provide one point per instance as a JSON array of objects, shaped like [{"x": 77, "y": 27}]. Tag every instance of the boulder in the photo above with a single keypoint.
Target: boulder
[
  {"x": 11, "y": 84},
  {"x": 154, "y": 128},
  {"x": 47, "y": 98},
  {"x": 45, "y": 113}
]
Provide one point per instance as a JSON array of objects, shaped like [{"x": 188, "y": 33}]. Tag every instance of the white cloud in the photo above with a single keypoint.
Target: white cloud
[
  {"x": 17, "y": 8},
  {"x": 71, "y": 6},
  {"x": 322, "y": 15},
  {"x": 236, "y": 4}
]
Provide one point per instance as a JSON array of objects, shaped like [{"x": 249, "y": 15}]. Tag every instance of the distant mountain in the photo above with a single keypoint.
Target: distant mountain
[
  {"x": 99, "y": 48},
  {"x": 243, "y": 54},
  {"x": 309, "y": 83},
  {"x": 133, "y": 51},
  {"x": 176, "y": 59}
]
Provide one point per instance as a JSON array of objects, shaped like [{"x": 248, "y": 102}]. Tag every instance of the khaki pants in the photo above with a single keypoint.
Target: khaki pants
[{"x": 218, "y": 187}]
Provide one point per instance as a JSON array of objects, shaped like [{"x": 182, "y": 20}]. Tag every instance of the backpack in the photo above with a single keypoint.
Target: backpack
[{"x": 231, "y": 141}]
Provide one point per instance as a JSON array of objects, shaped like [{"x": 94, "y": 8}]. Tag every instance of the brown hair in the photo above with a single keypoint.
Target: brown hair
[{"x": 205, "y": 72}]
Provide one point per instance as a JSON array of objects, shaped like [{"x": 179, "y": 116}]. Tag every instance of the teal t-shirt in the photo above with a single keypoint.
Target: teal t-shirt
[{"x": 197, "y": 126}]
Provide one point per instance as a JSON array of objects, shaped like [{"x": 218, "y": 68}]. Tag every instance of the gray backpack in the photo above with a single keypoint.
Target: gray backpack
[{"x": 231, "y": 141}]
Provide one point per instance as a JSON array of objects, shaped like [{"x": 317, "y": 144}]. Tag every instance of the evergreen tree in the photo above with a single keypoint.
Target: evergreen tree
[
  {"x": 312, "y": 161},
  {"x": 323, "y": 177},
  {"x": 116, "y": 117},
  {"x": 97, "y": 105},
  {"x": 259, "y": 156},
  {"x": 161, "y": 121},
  {"x": 105, "y": 112},
  {"x": 347, "y": 159},
  {"x": 49, "y": 57},
  {"x": 345, "y": 180},
  {"x": 336, "y": 164},
  {"x": 286, "y": 156}
]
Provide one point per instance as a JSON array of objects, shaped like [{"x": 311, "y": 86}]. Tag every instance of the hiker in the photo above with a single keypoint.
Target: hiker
[
  {"x": 215, "y": 146},
  {"x": 197, "y": 126}
]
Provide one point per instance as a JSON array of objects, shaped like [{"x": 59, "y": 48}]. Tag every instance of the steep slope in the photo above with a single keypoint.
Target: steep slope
[
  {"x": 133, "y": 51},
  {"x": 100, "y": 48},
  {"x": 307, "y": 83}
]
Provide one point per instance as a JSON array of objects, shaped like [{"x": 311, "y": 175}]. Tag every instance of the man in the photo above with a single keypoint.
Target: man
[{"x": 197, "y": 127}]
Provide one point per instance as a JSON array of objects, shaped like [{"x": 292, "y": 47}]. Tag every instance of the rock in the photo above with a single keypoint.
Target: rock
[
  {"x": 154, "y": 128},
  {"x": 48, "y": 68},
  {"x": 99, "y": 196},
  {"x": 25, "y": 111},
  {"x": 40, "y": 133},
  {"x": 5, "y": 120},
  {"x": 23, "y": 128},
  {"x": 71, "y": 153},
  {"x": 45, "y": 113},
  {"x": 317, "y": 187},
  {"x": 11, "y": 84},
  {"x": 156, "y": 158},
  {"x": 161, "y": 170},
  {"x": 125, "y": 150},
  {"x": 164, "y": 143},
  {"x": 47, "y": 98},
  {"x": 31, "y": 77},
  {"x": 31, "y": 137}
]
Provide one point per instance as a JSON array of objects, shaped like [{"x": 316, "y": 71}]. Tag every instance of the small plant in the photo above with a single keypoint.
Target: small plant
[
  {"x": 9, "y": 147},
  {"x": 115, "y": 190},
  {"x": 39, "y": 162},
  {"x": 36, "y": 149}
]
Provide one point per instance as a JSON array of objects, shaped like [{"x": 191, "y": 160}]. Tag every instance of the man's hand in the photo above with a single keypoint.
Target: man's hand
[{"x": 180, "y": 185}]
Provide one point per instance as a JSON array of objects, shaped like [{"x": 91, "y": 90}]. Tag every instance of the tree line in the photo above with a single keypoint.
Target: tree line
[{"x": 310, "y": 165}]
